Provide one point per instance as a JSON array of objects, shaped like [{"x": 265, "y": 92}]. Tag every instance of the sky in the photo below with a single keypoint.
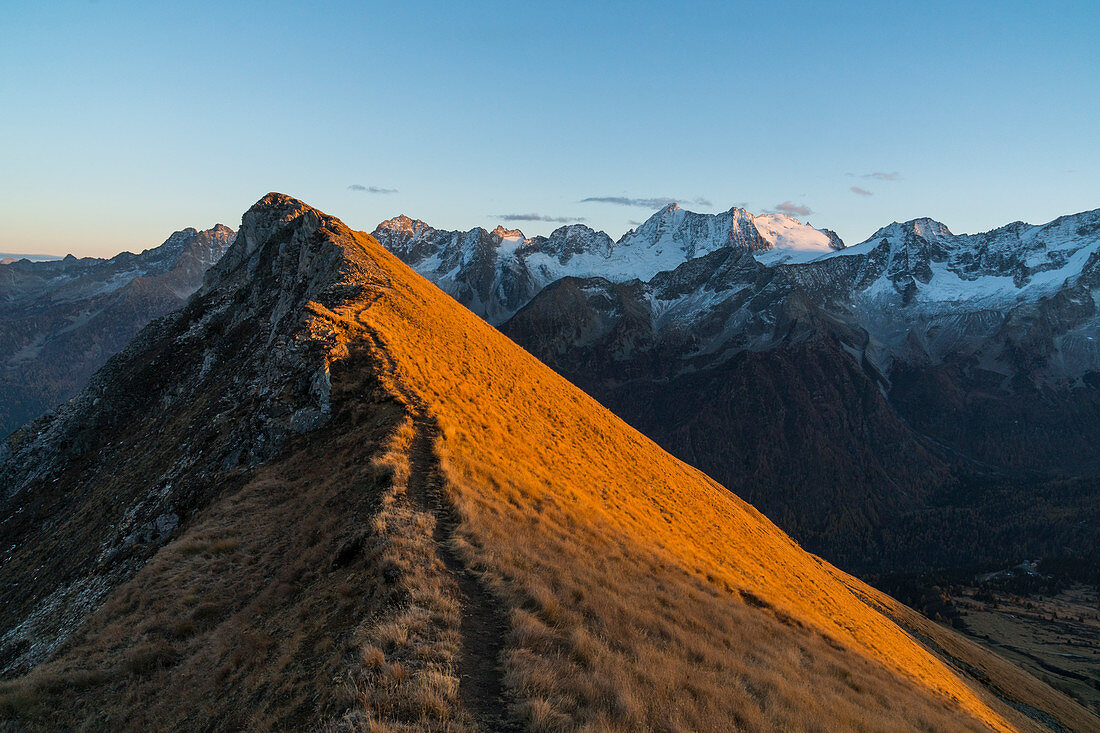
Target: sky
[{"x": 123, "y": 122}]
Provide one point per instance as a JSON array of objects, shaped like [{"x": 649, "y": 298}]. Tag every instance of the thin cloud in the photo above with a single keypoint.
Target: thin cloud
[
  {"x": 792, "y": 209},
  {"x": 541, "y": 217},
  {"x": 657, "y": 202},
  {"x": 881, "y": 176},
  {"x": 860, "y": 191},
  {"x": 370, "y": 189}
]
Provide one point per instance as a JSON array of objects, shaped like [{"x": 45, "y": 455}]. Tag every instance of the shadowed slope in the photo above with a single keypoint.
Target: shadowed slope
[{"x": 458, "y": 539}]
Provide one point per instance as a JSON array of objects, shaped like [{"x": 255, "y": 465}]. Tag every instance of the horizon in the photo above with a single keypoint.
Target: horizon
[
  {"x": 127, "y": 123},
  {"x": 519, "y": 226}
]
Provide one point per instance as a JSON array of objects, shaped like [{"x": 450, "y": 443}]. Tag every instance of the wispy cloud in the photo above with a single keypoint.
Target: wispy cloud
[
  {"x": 541, "y": 217},
  {"x": 656, "y": 202},
  {"x": 793, "y": 209},
  {"x": 370, "y": 189},
  {"x": 860, "y": 191},
  {"x": 881, "y": 176}
]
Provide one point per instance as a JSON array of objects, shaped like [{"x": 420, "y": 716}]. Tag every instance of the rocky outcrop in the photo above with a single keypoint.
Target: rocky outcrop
[{"x": 199, "y": 395}]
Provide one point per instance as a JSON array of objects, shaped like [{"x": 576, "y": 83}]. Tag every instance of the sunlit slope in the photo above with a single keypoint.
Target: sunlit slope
[
  {"x": 431, "y": 531},
  {"x": 643, "y": 593}
]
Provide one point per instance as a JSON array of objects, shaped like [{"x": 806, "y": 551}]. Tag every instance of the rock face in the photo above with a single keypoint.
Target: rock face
[
  {"x": 61, "y": 320},
  {"x": 324, "y": 496},
  {"x": 841, "y": 389}
]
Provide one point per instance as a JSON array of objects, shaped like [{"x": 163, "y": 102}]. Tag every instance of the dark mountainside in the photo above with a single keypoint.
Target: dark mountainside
[
  {"x": 321, "y": 495},
  {"x": 887, "y": 436},
  {"x": 61, "y": 320},
  {"x": 818, "y": 441}
]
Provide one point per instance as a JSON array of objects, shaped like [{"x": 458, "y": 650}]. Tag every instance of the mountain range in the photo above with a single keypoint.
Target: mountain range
[
  {"x": 323, "y": 495},
  {"x": 61, "y": 319},
  {"x": 864, "y": 397}
]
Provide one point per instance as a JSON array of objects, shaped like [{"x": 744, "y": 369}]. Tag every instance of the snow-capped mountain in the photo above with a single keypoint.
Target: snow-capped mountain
[
  {"x": 858, "y": 384},
  {"x": 923, "y": 293},
  {"x": 496, "y": 273}
]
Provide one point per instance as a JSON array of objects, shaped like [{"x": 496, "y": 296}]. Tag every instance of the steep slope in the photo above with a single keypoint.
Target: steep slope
[
  {"x": 729, "y": 365},
  {"x": 388, "y": 515},
  {"x": 61, "y": 320},
  {"x": 496, "y": 273}
]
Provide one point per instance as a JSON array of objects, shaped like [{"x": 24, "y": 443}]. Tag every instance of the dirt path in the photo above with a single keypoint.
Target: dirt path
[{"x": 484, "y": 625}]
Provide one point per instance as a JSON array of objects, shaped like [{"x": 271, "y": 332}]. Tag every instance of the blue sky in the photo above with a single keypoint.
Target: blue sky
[{"x": 122, "y": 122}]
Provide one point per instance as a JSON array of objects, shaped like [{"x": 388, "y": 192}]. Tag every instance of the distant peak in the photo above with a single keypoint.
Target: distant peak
[
  {"x": 660, "y": 216},
  {"x": 569, "y": 230},
  {"x": 834, "y": 239},
  {"x": 503, "y": 233},
  {"x": 926, "y": 227},
  {"x": 403, "y": 223},
  {"x": 923, "y": 227}
]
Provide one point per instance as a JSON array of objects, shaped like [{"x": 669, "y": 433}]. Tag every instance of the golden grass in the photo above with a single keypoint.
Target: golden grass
[
  {"x": 644, "y": 594},
  {"x": 405, "y": 679}
]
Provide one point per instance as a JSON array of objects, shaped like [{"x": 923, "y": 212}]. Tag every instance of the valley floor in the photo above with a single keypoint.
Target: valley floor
[{"x": 1052, "y": 636}]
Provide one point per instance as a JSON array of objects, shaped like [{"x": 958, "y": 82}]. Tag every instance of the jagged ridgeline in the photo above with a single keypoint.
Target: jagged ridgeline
[
  {"x": 325, "y": 495},
  {"x": 60, "y": 320}
]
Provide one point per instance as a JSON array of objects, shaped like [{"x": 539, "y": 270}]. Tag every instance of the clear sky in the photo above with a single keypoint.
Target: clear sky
[{"x": 122, "y": 122}]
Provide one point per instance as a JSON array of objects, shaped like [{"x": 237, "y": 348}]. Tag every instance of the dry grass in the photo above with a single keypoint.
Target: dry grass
[
  {"x": 405, "y": 677},
  {"x": 643, "y": 594},
  {"x": 252, "y": 616},
  {"x": 640, "y": 594}
]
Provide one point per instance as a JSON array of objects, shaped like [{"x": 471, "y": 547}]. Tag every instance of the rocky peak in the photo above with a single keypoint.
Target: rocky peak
[
  {"x": 403, "y": 223},
  {"x": 410, "y": 239},
  {"x": 923, "y": 227},
  {"x": 288, "y": 248},
  {"x": 572, "y": 239},
  {"x": 501, "y": 233},
  {"x": 834, "y": 239}
]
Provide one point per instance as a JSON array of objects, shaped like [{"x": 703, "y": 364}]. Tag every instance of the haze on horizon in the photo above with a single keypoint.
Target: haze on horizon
[{"x": 124, "y": 122}]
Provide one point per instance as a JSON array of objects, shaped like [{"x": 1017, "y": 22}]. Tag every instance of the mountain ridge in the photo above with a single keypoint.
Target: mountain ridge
[
  {"x": 494, "y": 275},
  {"x": 60, "y": 320},
  {"x": 577, "y": 528}
]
